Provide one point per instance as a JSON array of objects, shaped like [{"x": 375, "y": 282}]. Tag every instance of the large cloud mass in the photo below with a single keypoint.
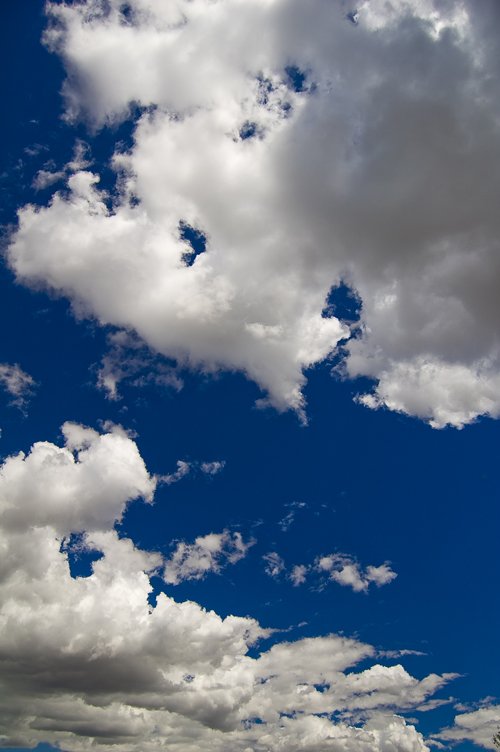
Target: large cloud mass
[
  {"x": 88, "y": 660},
  {"x": 310, "y": 145}
]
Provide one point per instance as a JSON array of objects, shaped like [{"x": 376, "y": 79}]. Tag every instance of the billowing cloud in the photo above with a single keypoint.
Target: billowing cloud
[
  {"x": 208, "y": 553},
  {"x": 88, "y": 660},
  {"x": 478, "y": 726},
  {"x": 308, "y": 146}
]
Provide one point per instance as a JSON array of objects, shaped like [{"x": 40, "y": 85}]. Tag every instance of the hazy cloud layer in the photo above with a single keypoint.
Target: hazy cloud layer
[
  {"x": 88, "y": 660},
  {"x": 308, "y": 146}
]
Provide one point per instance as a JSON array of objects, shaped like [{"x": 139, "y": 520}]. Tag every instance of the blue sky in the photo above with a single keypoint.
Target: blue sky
[{"x": 307, "y": 472}]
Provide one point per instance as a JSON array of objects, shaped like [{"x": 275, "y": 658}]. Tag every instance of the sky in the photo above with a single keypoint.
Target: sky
[{"x": 249, "y": 375}]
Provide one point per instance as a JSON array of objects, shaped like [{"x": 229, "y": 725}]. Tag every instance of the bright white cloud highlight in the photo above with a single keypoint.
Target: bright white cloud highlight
[
  {"x": 88, "y": 660},
  {"x": 376, "y": 169},
  {"x": 208, "y": 553}
]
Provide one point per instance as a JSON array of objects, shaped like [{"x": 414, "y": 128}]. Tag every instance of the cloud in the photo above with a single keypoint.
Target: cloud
[
  {"x": 18, "y": 384},
  {"x": 479, "y": 726},
  {"x": 212, "y": 468},
  {"x": 340, "y": 568},
  {"x": 289, "y": 518},
  {"x": 298, "y": 574},
  {"x": 184, "y": 468},
  {"x": 368, "y": 163},
  {"x": 346, "y": 571},
  {"x": 87, "y": 660},
  {"x": 129, "y": 361},
  {"x": 45, "y": 178},
  {"x": 208, "y": 553},
  {"x": 274, "y": 564}
]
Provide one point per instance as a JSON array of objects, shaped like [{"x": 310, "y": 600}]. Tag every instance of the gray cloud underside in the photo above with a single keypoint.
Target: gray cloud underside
[
  {"x": 88, "y": 661},
  {"x": 381, "y": 169}
]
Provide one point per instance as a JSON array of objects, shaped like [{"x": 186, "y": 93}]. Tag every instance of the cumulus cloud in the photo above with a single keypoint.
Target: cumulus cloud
[
  {"x": 208, "y": 553},
  {"x": 479, "y": 726},
  {"x": 331, "y": 147},
  {"x": 47, "y": 177},
  {"x": 345, "y": 570},
  {"x": 88, "y": 660},
  {"x": 18, "y": 384}
]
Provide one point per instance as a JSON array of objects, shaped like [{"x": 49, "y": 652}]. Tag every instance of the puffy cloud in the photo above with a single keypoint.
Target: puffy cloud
[
  {"x": 18, "y": 384},
  {"x": 328, "y": 147},
  {"x": 346, "y": 571},
  {"x": 208, "y": 553},
  {"x": 479, "y": 726},
  {"x": 88, "y": 660},
  {"x": 47, "y": 177},
  {"x": 83, "y": 486}
]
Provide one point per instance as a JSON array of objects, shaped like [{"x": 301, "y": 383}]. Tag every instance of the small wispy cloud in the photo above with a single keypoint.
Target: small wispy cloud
[
  {"x": 275, "y": 565},
  {"x": 289, "y": 518},
  {"x": 208, "y": 553},
  {"x": 17, "y": 383},
  {"x": 185, "y": 468}
]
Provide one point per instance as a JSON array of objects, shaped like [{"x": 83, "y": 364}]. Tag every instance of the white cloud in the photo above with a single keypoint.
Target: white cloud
[
  {"x": 274, "y": 564},
  {"x": 129, "y": 361},
  {"x": 479, "y": 726},
  {"x": 298, "y": 574},
  {"x": 289, "y": 518},
  {"x": 346, "y": 571},
  {"x": 184, "y": 468},
  {"x": 83, "y": 486},
  {"x": 208, "y": 553},
  {"x": 88, "y": 660},
  {"x": 18, "y": 384},
  {"x": 212, "y": 468},
  {"x": 378, "y": 172},
  {"x": 47, "y": 177}
]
